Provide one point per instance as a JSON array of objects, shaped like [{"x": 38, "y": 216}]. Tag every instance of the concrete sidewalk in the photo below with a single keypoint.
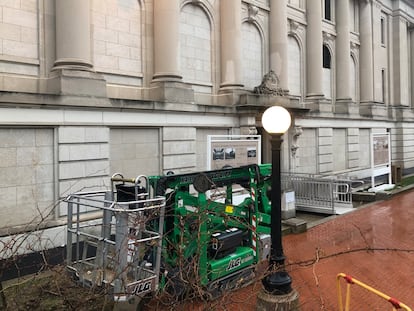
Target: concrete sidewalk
[{"x": 374, "y": 244}]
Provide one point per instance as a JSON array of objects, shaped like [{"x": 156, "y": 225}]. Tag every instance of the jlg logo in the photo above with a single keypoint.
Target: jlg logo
[
  {"x": 234, "y": 263},
  {"x": 142, "y": 287}
]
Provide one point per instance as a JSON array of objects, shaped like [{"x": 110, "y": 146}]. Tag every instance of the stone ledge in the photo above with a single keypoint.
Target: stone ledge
[{"x": 295, "y": 225}]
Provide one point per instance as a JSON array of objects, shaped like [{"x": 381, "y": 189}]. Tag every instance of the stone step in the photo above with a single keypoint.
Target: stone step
[{"x": 293, "y": 225}]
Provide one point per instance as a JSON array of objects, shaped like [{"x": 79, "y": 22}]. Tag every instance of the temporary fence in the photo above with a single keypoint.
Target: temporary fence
[{"x": 350, "y": 281}]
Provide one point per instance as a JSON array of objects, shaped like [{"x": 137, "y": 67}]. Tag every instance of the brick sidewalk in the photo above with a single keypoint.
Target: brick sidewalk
[{"x": 374, "y": 244}]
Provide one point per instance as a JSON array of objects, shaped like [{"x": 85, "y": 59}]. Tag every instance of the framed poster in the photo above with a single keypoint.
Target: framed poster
[
  {"x": 381, "y": 149},
  {"x": 380, "y": 156},
  {"x": 232, "y": 150}
]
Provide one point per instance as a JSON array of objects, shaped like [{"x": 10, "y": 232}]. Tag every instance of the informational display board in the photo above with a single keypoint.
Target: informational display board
[
  {"x": 232, "y": 150},
  {"x": 380, "y": 156}
]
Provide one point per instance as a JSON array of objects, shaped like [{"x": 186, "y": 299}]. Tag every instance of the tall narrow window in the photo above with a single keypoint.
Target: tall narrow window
[
  {"x": 327, "y": 10},
  {"x": 296, "y": 3},
  {"x": 294, "y": 67},
  {"x": 354, "y": 15},
  {"x": 326, "y": 62},
  {"x": 326, "y": 57},
  {"x": 382, "y": 30},
  {"x": 383, "y": 85},
  {"x": 195, "y": 47},
  {"x": 353, "y": 80},
  {"x": 252, "y": 51}
]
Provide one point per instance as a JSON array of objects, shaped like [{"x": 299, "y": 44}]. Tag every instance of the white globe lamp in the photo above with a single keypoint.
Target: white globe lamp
[{"x": 276, "y": 120}]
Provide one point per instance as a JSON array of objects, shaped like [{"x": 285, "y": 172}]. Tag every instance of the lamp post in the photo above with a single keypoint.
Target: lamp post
[{"x": 276, "y": 121}]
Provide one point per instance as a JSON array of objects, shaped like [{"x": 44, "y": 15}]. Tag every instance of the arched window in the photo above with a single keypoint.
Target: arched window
[
  {"x": 326, "y": 58},
  {"x": 118, "y": 41},
  {"x": 353, "y": 80},
  {"x": 294, "y": 67},
  {"x": 327, "y": 89},
  {"x": 252, "y": 59},
  {"x": 195, "y": 46}
]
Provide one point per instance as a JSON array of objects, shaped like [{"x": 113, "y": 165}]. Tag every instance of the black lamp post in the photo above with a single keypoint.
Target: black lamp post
[{"x": 276, "y": 121}]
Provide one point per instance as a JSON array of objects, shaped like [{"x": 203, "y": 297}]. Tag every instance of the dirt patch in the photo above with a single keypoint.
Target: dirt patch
[{"x": 53, "y": 290}]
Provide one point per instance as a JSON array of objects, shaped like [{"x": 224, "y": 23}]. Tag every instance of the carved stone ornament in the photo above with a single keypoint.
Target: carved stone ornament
[
  {"x": 252, "y": 10},
  {"x": 293, "y": 26},
  {"x": 327, "y": 37},
  {"x": 297, "y": 131},
  {"x": 270, "y": 85}
]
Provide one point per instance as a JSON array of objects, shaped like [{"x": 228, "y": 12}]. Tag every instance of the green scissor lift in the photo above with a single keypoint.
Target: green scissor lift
[
  {"x": 168, "y": 234},
  {"x": 217, "y": 227}
]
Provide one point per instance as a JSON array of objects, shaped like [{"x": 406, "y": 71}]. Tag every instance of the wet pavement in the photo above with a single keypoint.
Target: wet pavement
[{"x": 374, "y": 244}]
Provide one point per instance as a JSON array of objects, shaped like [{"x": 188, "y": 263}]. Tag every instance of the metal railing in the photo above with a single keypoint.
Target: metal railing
[
  {"x": 350, "y": 281},
  {"x": 319, "y": 194}
]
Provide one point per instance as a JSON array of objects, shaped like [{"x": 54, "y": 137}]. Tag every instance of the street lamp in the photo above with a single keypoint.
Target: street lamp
[{"x": 276, "y": 121}]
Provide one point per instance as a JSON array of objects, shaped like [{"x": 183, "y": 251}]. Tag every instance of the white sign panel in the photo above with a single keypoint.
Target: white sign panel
[
  {"x": 232, "y": 150},
  {"x": 380, "y": 156}
]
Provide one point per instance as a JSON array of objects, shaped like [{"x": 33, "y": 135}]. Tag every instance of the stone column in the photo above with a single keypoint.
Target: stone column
[
  {"x": 366, "y": 52},
  {"x": 279, "y": 41},
  {"x": 167, "y": 84},
  {"x": 166, "y": 40},
  {"x": 72, "y": 73},
  {"x": 343, "y": 51},
  {"x": 73, "y": 35},
  {"x": 230, "y": 13},
  {"x": 401, "y": 59},
  {"x": 314, "y": 48}
]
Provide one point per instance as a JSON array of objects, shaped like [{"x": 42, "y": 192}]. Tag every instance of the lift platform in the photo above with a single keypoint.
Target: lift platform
[{"x": 120, "y": 248}]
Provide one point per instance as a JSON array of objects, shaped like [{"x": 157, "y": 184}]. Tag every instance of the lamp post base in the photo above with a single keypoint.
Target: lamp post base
[
  {"x": 270, "y": 302},
  {"x": 277, "y": 283}
]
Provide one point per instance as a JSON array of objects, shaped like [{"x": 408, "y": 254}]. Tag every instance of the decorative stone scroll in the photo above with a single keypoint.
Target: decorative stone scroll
[{"x": 270, "y": 85}]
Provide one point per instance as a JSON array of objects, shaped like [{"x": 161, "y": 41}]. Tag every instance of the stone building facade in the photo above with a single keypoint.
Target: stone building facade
[{"x": 93, "y": 87}]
